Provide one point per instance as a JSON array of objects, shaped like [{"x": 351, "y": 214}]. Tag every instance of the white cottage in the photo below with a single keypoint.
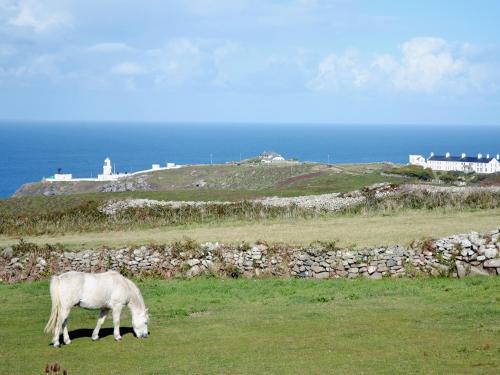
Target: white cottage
[{"x": 271, "y": 157}]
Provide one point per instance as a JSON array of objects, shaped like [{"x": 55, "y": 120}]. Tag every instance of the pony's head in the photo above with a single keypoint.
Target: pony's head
[{"x": 140, "y": 323}]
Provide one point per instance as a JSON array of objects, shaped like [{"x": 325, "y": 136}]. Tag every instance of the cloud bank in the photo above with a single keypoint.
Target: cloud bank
[
  {"x": 425, "y": 65},
  {"x": 333, "y": 56}
]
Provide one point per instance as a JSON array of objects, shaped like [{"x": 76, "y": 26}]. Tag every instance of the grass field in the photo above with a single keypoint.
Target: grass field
[
  {"x": 347, "y": 230},
  {"x": 218, "y": 326}
]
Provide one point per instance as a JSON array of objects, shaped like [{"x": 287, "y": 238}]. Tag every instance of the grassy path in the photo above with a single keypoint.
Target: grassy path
[
  {"x": 214, "y": 326},
  {"x": 358, "y": 231}
]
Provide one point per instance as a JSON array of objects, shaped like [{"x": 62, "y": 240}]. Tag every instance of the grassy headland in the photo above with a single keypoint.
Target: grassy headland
[{"x": 209, "y": 182}]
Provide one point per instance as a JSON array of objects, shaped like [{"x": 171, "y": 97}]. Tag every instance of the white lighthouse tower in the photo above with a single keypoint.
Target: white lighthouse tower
[
  {"x": 107, "y": 171},
  {"x": 106, "y": 168}
]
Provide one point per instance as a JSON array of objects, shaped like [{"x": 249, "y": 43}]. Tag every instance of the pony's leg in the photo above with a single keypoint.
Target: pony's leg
[
  {"x": 117, "y": 310},
  {"x": 65, "y": 315},
  {"x": 102, "y": 316},
  {"x": 57, "y": 333}
]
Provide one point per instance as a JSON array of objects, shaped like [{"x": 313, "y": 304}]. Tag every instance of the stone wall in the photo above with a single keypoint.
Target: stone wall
[{"x": 454, "y": 256}]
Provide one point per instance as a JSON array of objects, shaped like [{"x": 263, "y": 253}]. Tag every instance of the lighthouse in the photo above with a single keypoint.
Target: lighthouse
[
  {"x": 106, "y": 168},
  {"x": 107, "y": 171}
]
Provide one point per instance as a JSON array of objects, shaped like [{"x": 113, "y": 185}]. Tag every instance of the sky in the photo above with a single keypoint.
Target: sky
[{"x": 286, "y": 61}]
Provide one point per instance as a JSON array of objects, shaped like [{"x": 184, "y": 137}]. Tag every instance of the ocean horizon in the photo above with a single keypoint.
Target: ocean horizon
[{"x": 30, "y": 151}]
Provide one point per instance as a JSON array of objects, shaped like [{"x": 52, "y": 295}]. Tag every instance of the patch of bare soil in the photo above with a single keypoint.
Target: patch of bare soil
[{"x": 491, "y": 180}]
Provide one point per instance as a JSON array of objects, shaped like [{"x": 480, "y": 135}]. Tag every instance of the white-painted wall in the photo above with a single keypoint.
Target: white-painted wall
[
  {"x": 62, "y": 177},
  {"x": 418, "y": 160},
  {"x": 442, "y": 165}
]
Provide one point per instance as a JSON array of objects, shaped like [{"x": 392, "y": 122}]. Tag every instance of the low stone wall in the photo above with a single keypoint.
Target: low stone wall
[
  {"x": 326, "y": 202},
  {"x": 454, "y": 256}
]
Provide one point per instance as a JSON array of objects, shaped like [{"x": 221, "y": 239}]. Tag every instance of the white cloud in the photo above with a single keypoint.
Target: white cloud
[
  {"x": 40, "y": 65},
  {"x": 428, "y": 64},
  {"x": 193, "y": 61},
  {"x": 423, "y": 65},
  {"x": 110, "y": 48},
  {"x": 40, "y": 16},
  {"x": 385, "y": 63},
  {"x": 179, "y": 61},
  {"x": 128, "y": 68},
  {"x": 340, "y": 71}
]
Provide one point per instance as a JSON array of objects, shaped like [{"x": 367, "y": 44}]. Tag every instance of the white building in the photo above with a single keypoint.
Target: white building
[
  {"x": 107, "y": 171},
  {"x": 108, "y": 174},
  {"x": 271, "y": 157},
  {"x": 462, "y": 163},
  {"x": 62, "y": 177}
]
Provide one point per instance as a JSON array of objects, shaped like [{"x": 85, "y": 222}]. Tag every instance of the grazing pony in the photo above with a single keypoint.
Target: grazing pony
[{"x": 105, "y": 291}]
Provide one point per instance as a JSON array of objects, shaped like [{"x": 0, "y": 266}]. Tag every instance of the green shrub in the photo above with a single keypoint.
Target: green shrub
[
  {"x": 451, "y": 176},
  {"x": 24, "y": 247},
  {"x": 425, "y": 200},
  {"x": 88, "y": 217},
  {"x": 414, "y": 171}
]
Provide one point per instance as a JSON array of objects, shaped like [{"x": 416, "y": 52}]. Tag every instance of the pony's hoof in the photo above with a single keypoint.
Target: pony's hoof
[
  {"x": 95, "y": 338},
  {"x": 67, "y": 342},
  {"x": 118, "y": 338},
  {"x": 56, "y": 345}
]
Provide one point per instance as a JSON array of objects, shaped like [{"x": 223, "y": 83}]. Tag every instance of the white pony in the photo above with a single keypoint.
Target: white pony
[{"x": 105, "y": 291}]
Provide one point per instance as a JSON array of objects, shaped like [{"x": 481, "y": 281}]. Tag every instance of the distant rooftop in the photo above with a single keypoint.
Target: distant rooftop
[
  {"x": 466, "y": 159},
  {"x": 270, "y": 154}
]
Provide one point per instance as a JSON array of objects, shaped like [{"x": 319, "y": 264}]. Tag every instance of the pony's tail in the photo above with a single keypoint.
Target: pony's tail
[{"x": 55, "y": 314}]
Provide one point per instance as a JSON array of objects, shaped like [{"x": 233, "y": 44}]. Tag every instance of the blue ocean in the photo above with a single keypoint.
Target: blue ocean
[{"x": 31, "y": 151}]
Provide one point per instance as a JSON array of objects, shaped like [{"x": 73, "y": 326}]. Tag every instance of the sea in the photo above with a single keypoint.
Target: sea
[{"x": 30, "y": 151}]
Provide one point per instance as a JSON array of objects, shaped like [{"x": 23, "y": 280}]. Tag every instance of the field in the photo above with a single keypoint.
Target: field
[
  {"x": 219, "y": 326},
  {"x": 78, "y": 211},
  {"x": 260, "y": 326},
  {"x": 347, "y": 230}
]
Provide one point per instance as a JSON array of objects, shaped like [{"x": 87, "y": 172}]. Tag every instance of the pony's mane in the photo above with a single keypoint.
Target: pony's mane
[{"x": 136, "y": 299}]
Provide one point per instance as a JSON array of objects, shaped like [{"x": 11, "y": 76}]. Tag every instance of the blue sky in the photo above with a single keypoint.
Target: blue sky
[{"x": 301, "y": 61}]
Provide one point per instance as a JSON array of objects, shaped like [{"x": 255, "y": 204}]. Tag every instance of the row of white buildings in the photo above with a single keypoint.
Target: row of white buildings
[
  {"x": 463, "y": 163},
  {"x": 108, "y": 174}
]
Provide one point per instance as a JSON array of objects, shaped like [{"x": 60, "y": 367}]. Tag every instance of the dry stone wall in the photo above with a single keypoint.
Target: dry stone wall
[{"x": 455, "y": 256}]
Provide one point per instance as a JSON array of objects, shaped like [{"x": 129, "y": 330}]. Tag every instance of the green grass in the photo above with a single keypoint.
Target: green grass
[
  {"x": 346, "y": 230},
  {"x": 326, "y": 182},
  {"x": 87, "y": 216},
  {"x": 38, "y": 214},
  {"x": 209, "y": 182},
  {"x": 217, "y": 326}
]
